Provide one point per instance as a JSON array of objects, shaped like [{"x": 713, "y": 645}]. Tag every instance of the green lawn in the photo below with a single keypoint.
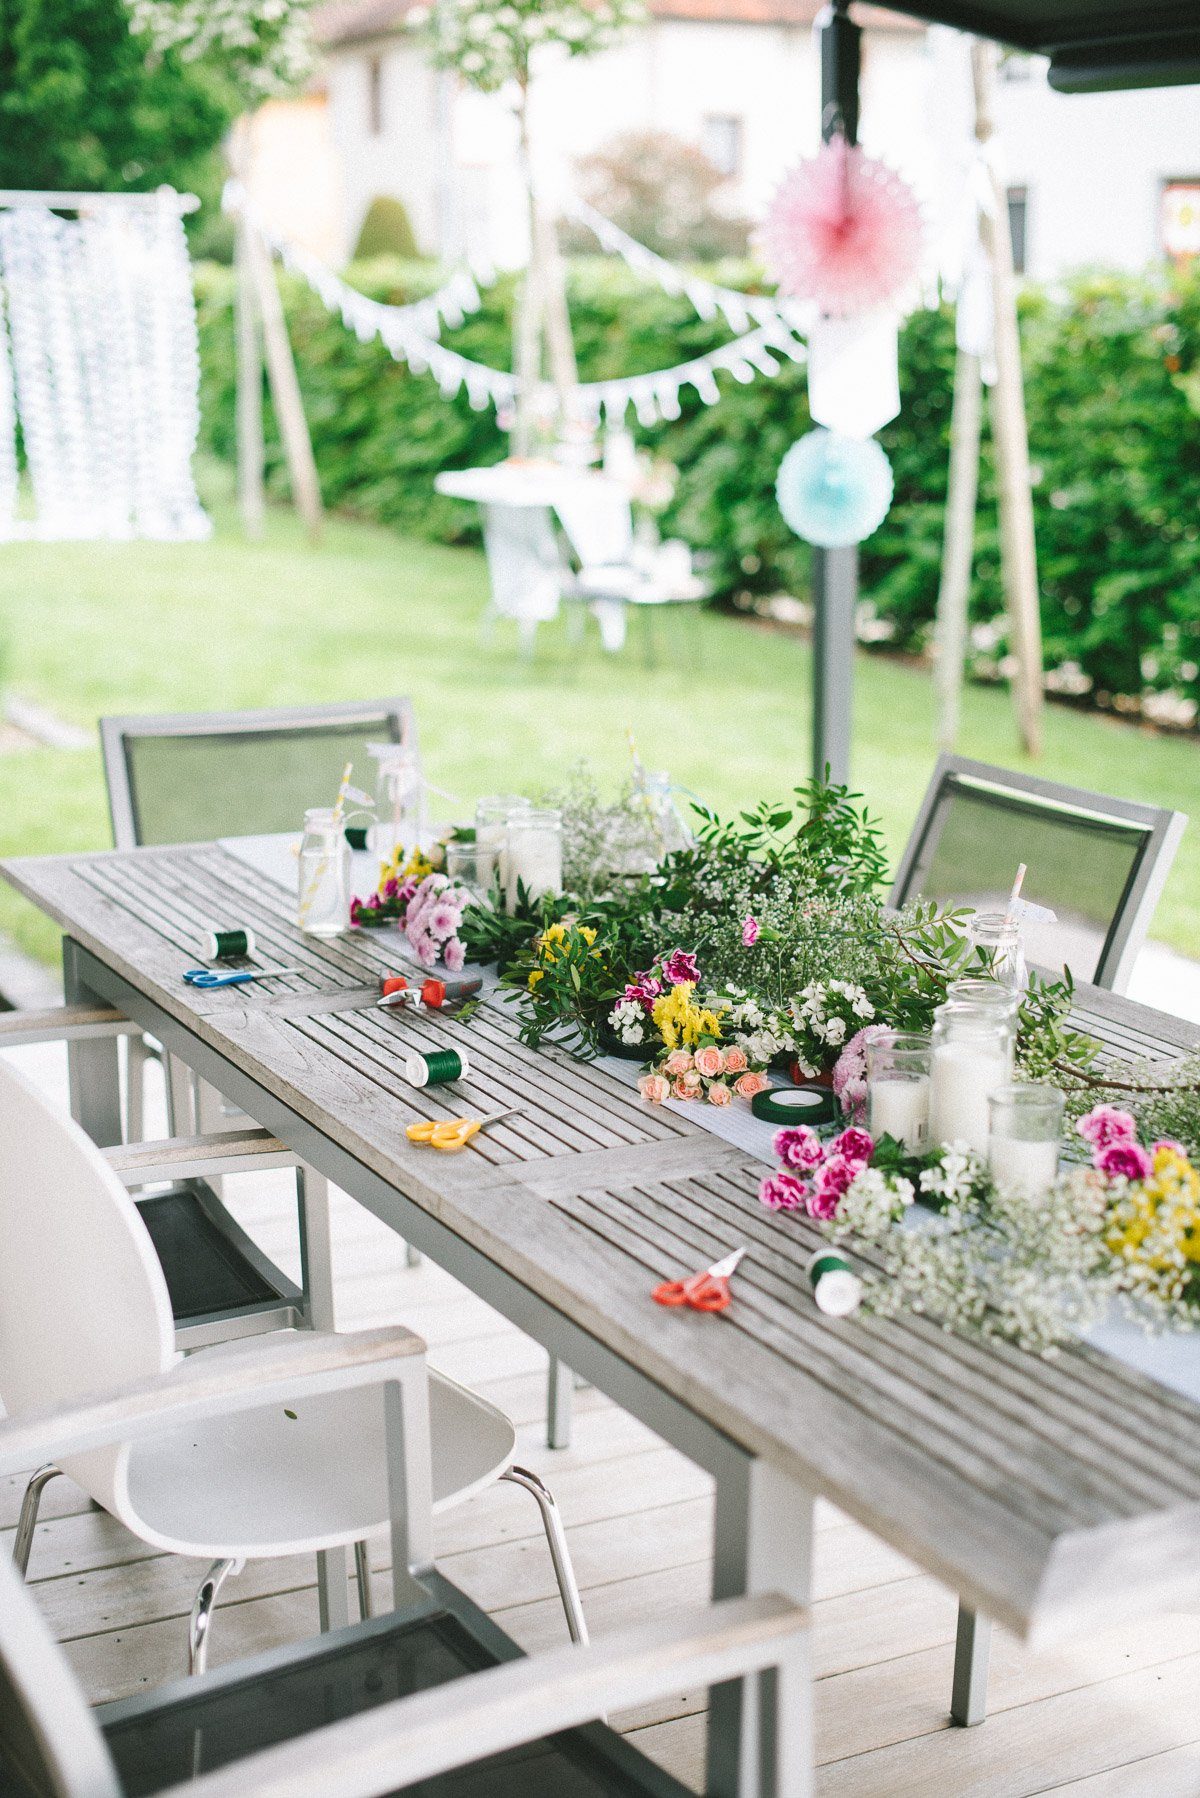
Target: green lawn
[{"x": 96, "y": 628}]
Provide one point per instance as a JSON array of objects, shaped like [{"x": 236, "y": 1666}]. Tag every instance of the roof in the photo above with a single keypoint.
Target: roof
[
  {"x": 1092, "y": 44},
  {"x": 351, "y": 21}
]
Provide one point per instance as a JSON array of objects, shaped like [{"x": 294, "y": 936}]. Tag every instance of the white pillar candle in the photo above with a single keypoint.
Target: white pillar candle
[
  {"x": 1018, "y": 1165},
  {"x": 534, "y": 859},
  {"x": 900, "y": 1109},
  {"x": 963, "y": 1076}
]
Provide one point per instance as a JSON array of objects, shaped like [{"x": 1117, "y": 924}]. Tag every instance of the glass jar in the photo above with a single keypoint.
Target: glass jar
[
  {"x": 534, "y": 855},
  {"x": 898, "y": 1087},
  {"x": 399, "y": 800},
  {"x": 491, "y": 835},
  {"x": 465, "y": 866},
  {"x": 1024, "y": 1137},
  {"x": 324, "y": 908},
  {"x": 971, "y": 1058},
  {"x": 998, "y": 938}
]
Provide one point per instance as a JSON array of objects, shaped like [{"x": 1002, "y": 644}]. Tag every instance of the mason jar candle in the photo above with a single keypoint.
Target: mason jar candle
[
  {"x": 534, "y": 855},
  {"x": 898, "y": 1088},
  {"x": 1024, "y": 1138},
  {"x": 971, "y": 1058},
  {"x": 491, "y": 836}
]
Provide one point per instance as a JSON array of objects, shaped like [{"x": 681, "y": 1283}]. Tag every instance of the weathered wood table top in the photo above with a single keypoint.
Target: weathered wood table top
[{"x": 1051, "y": 1493}]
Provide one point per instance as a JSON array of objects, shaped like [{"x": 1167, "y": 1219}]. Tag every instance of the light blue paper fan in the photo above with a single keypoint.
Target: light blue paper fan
[{"x": 834, "y": 491}]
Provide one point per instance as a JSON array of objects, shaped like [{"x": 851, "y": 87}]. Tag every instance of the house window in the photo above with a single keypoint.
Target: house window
[
  {"x": 721, "y": 141},
  {"x": 375, "y": 96},
  {"x": 1018, "y": 226},
  {"x": 1180, "y": 230}
]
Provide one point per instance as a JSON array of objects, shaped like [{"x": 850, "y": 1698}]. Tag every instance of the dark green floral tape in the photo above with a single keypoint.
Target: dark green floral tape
[
  {"x": 795, "y": 1105},
  {"x": 222, "y": 944}
]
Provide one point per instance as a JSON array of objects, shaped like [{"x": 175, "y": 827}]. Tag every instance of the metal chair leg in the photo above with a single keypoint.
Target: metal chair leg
[
  {"x": 412, "y": 1257},
  {"x": 362, "y": 1574},
  {"x": 560, "y": 1390},
  {"x": 200, "y": 1623},
  {"x": 27, "y": 1521},
  {"x": 560, "y": 1554},
  {"x": 972, "y": 1651}
]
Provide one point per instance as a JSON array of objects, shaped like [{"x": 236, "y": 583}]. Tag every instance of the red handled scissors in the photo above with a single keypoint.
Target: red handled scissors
[{"x": 708, "y": 1291}]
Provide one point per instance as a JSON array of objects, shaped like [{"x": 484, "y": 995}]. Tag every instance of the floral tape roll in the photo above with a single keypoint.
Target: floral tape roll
[
  {"x": 219, "y": 945},
  {"x": 438, "y": 1068},
  {"x": 836, "y": 1287},
  {"x": 357, "y": 834},
  {"x": 795, "y": 1105}
]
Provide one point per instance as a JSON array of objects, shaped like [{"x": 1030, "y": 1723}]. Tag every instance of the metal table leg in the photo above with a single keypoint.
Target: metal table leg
[
  {"x": 316, "y": 1262},
  {"x": 560, "y": 1390},
  {"x": 763, "y": 1543},
  {"x": 972, "y": 1652},
  {"x": 93, "y": 1065}
]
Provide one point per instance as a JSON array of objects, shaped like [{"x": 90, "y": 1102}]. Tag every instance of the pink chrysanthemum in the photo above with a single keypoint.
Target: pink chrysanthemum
[
  {"x": 454, "y": 955},
  {"x": 844, "y": 230}
]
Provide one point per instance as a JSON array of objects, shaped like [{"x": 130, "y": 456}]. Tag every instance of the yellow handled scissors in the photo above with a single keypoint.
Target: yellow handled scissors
[{"x": 452, "y": 1134}]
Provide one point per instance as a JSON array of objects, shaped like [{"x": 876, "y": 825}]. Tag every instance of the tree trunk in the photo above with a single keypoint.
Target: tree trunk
[{"x": 1018, "y": 551}]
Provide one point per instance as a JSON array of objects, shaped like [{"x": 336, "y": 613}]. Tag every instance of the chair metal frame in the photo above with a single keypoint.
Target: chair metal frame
[
  {"x": 1161, "y": 828},
  {"x": 394, "y": 714}
]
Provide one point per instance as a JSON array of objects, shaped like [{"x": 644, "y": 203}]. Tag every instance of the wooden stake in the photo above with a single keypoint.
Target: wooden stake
[
  {"x": 285, "y": 388},
  {"x": 1018, "y": 551},
  {"x": 958, "y": 550},
  {"x": 250, "y": 452}
]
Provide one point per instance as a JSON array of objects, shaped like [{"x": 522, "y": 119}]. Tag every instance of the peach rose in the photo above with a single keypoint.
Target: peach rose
[
  {"x": 679, "y": 1061},
  {"x": 654, "y": 1088},
  {"x": 735, "y": 1061},
  {"x": 691, "y": 1080},
  {"x": 682, "y": 1091},
  {"x": 749, "y": 1084},
  {"x": 719, "y": 1093},
  {"x": 709, "y": 1061}
]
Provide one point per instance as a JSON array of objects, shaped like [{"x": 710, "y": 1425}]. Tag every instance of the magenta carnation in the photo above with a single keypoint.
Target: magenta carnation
[
  {"x": 680, "y": 966},
  {"x": 643, "y": 990},
  {"x": 783, "y": 1192},
  {"x": 1124, "y": 1161},
  {"x": 799, "y": 1147},
  {"x": 833, "y": 1178},
  {"x": 855, "y": 1144},
  {"x": 1105, "y": 1124}
]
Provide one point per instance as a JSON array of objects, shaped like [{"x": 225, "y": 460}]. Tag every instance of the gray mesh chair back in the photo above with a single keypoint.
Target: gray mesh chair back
[
  {"x": 191, "y": 777},
  {"x": 1099, "y": 863}
]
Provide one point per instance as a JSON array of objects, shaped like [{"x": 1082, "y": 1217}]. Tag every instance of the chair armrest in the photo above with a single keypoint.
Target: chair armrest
[
  {"x": 269, "y": 1370},
  {"x": 464, "y": 1721},
  {"x": 63, "y": 1023},
  {"x": 199, "y": 1157}
]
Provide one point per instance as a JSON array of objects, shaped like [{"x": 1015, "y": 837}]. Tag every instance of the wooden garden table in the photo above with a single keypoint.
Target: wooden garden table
[{"x": 1053, "y": 1494}]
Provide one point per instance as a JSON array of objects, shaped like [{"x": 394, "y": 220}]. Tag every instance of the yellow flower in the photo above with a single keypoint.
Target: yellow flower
[{"x": 680, "y": 1021}]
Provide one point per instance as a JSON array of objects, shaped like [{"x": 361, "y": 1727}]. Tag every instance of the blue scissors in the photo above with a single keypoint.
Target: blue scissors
[{"x": 206, "y": 978}]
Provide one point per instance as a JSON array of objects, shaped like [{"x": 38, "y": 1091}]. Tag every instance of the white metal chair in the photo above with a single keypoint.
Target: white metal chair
[
  {"x": 84, "y": 1305},
  {"x": 1099, "y": 863},
  {"x": 402, "y": 1702}
]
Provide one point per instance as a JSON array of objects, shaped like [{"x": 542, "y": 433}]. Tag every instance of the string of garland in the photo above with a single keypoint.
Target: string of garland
[{"x": 405, "y": 331}]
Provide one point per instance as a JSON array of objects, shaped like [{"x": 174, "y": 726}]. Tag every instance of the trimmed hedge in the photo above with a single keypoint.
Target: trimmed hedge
[{"x": 1113, "y": 395}]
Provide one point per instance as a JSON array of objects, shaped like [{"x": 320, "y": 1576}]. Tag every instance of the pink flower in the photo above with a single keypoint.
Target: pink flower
[
  {"x": 719, "y": 1093},
  {"x": 443, "y": 921},
  {"x": 1105, "y": 1124},
  {"x": 735, "y": 1061},
  {"x": 683, "y": 1091},
  {"x": 680, "y": 966},
  {"x": 749, "y": 1084},
  {"x": 749, "y": 933},
  {"x": 1122, "y": 1160},
  {"x": 798, "y": 1146},
  {"x": 679, "y": 1061},
  {"x": 783, "y": 1192},
  {"x": 691, "y": 1080},
  {"x": 850, "y": 1071},
  {"x": 709, "y": 1061},
  {"x": 643, "y": 989},
  {"x": 425, "y": 949},
  {"x": 833, "y": 1177},
  {"x": 854, "y": 1144},
  {"x": 654, "y": 1088},
  {"x": 454, "y": 955}
]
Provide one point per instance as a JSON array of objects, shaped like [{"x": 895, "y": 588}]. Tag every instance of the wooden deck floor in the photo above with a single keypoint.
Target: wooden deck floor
[{"x": 1112, "y": 1717}]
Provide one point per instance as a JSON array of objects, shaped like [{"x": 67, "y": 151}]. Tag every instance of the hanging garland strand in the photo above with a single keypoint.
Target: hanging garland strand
[{"x": 408, "y": 334}]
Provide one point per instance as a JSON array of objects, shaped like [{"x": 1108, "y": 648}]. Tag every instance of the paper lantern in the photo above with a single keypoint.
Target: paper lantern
[
  {"x": 843, "y": 230},
  {"x": 834, "y": 491}
]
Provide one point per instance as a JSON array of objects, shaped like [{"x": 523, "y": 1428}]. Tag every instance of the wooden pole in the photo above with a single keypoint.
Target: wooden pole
[
  {"x": 1018, "y": 550},
  {"x": 958, "y": 548},
  {"x": 285, "y": 387},
  {"x": 527, "y": 324},
  {"x": 250, "y": 450}
]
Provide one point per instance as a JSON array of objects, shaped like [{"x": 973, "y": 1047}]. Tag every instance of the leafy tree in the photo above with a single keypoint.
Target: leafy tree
[
  {"x": 664, "y": 192},
  {"x": 83, "y": 104}
]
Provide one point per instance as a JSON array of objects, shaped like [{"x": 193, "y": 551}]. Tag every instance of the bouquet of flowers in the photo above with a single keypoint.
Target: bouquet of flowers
[{"x": 424, "y": 904}]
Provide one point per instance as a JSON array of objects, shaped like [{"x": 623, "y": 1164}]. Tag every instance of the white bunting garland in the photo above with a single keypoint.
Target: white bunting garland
[
  {"x": 410, "y": 334},
  {"x": 8, "y": 431}
]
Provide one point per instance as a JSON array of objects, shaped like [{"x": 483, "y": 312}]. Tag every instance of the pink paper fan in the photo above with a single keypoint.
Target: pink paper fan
[{"x": 844, "y": 230}]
